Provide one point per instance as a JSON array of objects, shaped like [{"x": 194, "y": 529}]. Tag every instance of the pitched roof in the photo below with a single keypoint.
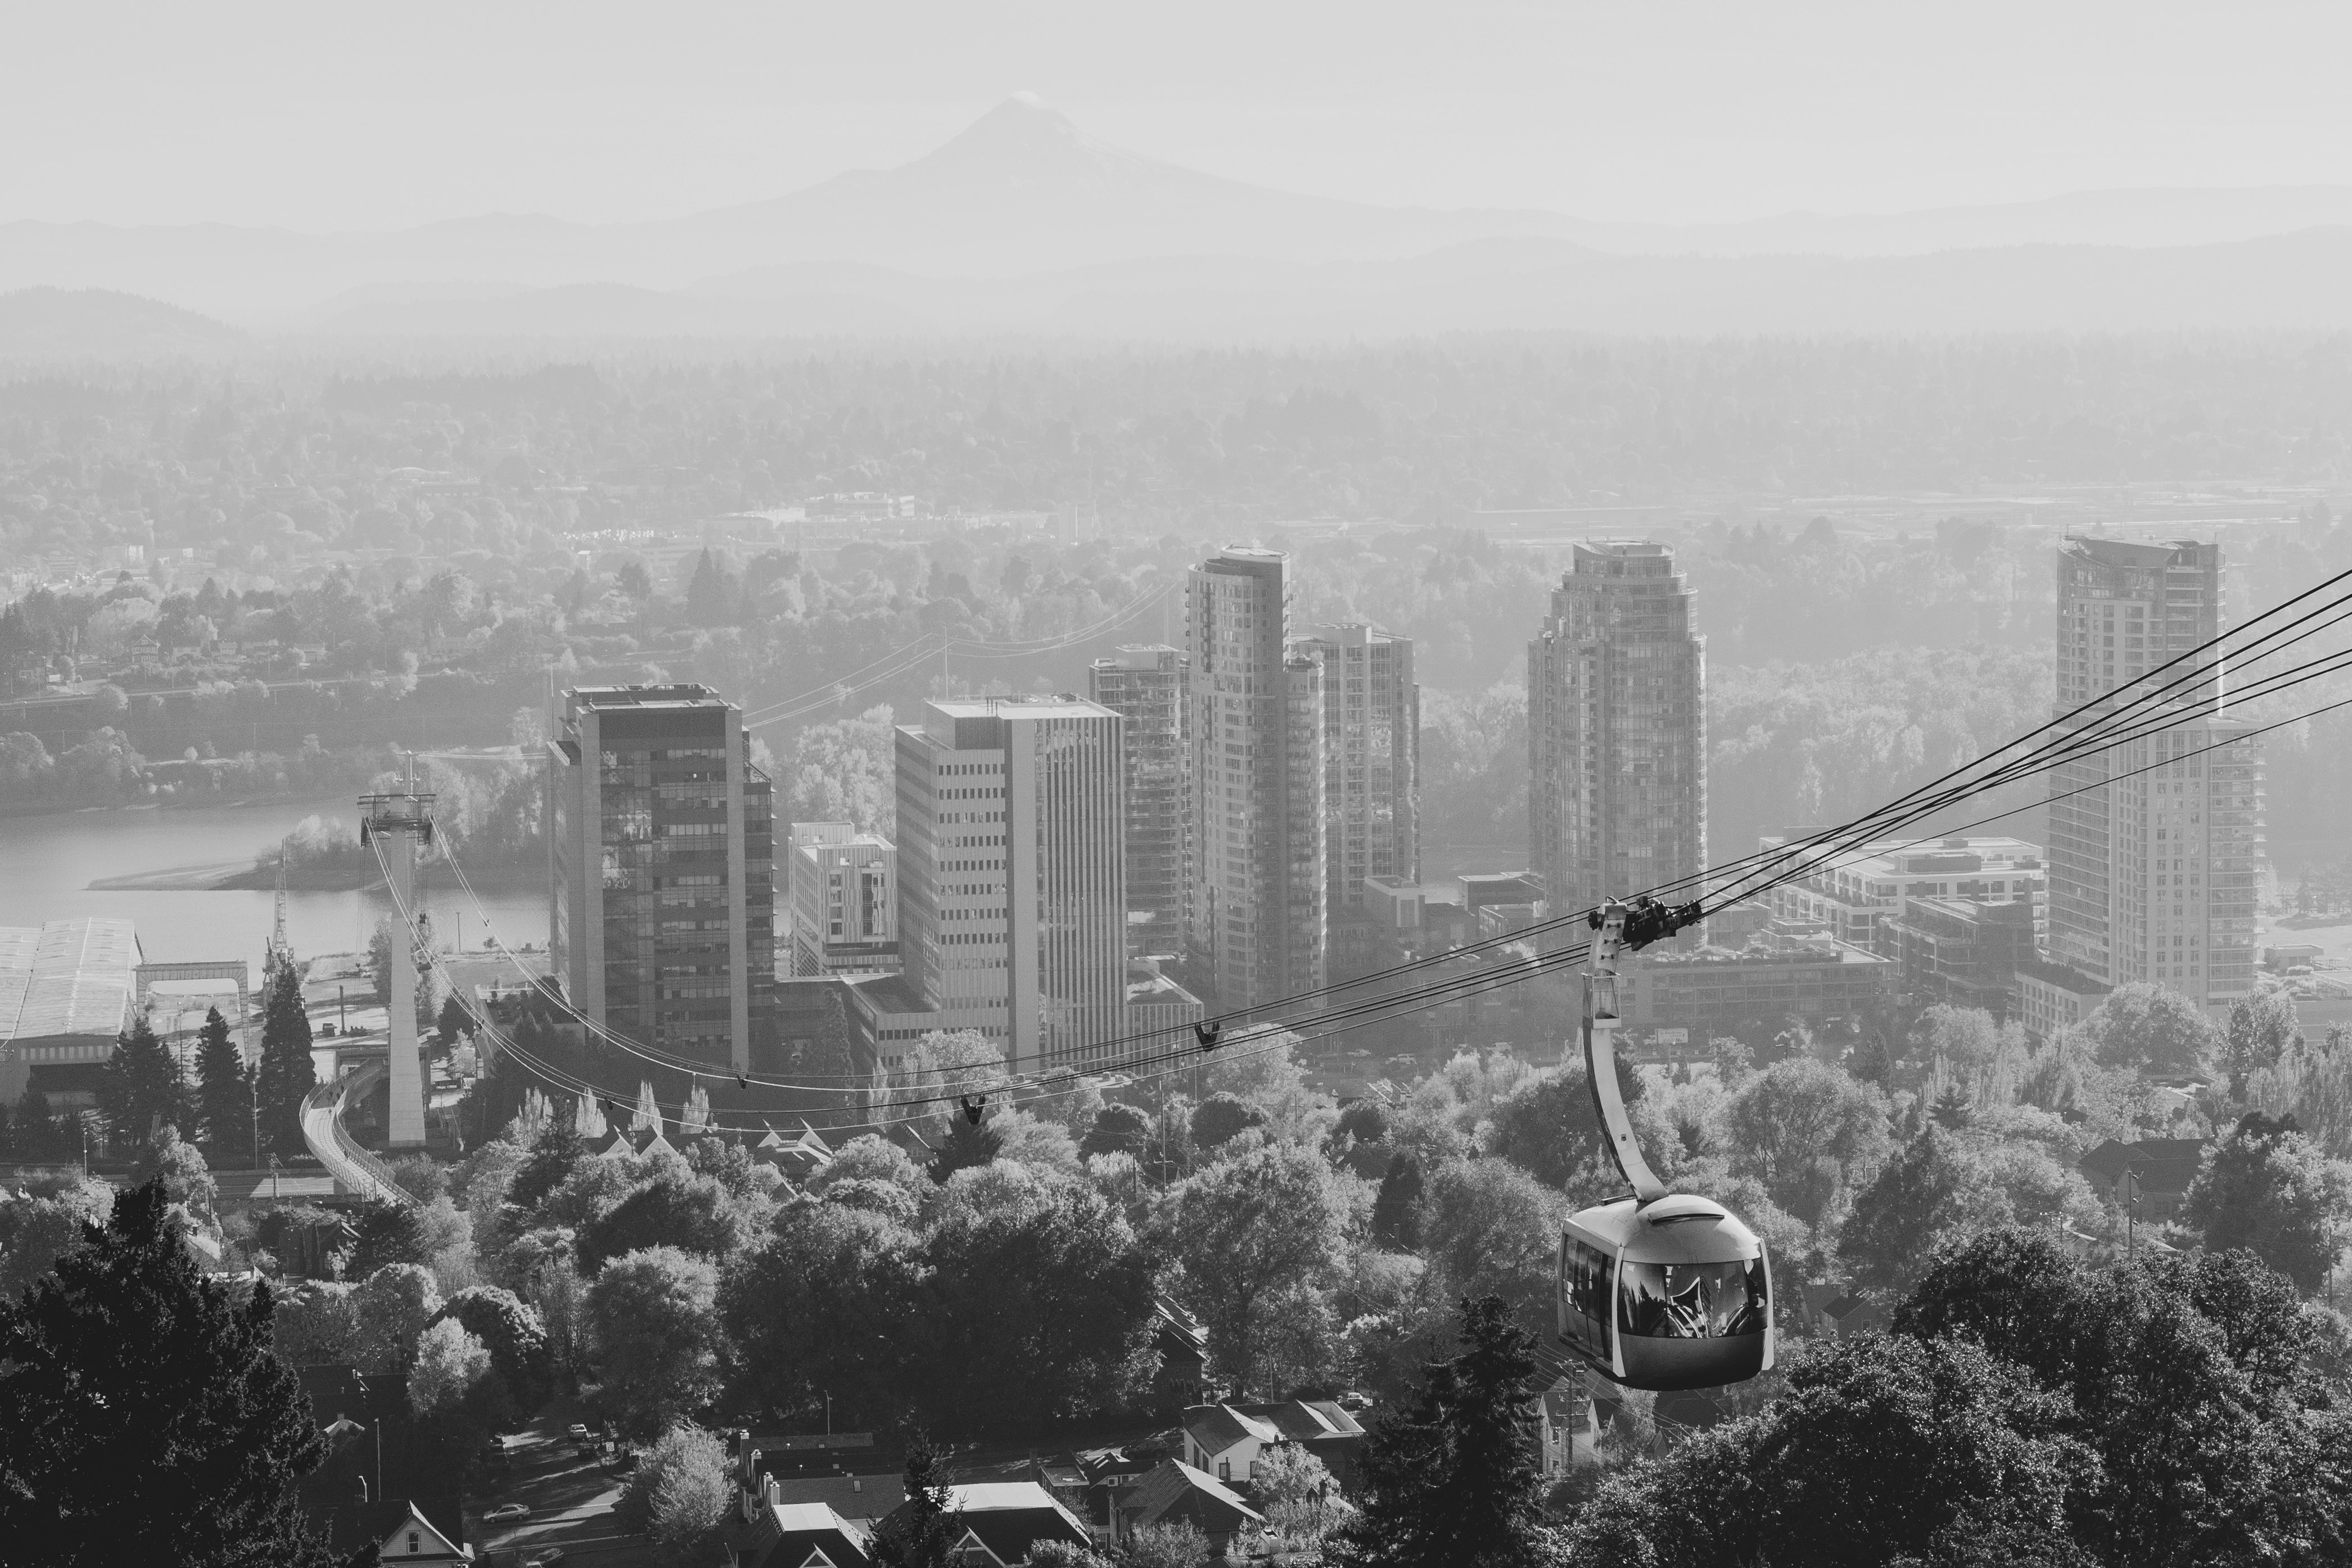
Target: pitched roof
[
  {"x": 797, "y": 1535},
  {"x": 1308, "y": 1420},
  {"x": 1010, "y": 1517},
  {"x": 1217, "y": 1428},
  {"x": 431, "y": 1542},
  {"x": 1193, "y": 1494},
  {"x": 851, "y": 1497}
]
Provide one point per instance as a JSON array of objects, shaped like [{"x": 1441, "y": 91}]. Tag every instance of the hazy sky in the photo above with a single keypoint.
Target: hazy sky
[{"x": 339, "y": 116}]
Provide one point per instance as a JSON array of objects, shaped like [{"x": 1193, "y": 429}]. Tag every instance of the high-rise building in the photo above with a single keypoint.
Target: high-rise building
[
  {"x": 1260, "y": 889},
  {"x": 1617, "y": 729},
  {"x": 1372, "y": 760},
  {"x": 1145, "y": 686},
  {"x": 661, "y": 865},
  {"x": 1012, "y": 907},
  {"x": 843, "y": 887},
  {"x": 2155, "y": 843}
]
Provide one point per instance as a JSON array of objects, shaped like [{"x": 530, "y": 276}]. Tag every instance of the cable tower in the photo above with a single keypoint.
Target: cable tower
[{"x": 403, "y": 822}]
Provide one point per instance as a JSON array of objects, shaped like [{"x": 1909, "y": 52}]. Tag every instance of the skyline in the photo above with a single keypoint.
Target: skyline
[{"x": 1701, "y": 114}]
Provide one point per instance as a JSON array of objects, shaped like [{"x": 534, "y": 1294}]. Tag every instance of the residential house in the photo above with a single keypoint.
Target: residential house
[
  {"x": 1182, "y": 1379},
  {"x": 412, "y": 1538},
  {"x": 2164, "y": 1169},
  {"x": 1225, "y": 1440},
  {"x": 798, "y": 1535},
  {"x": 1566, "y": 1427},
  {"x": 1176, "y": 1493},
  {"x": 1003, "y": 1519}
]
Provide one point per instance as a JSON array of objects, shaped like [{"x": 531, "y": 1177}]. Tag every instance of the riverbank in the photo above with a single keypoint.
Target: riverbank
[{"x": 261, "y": 877}]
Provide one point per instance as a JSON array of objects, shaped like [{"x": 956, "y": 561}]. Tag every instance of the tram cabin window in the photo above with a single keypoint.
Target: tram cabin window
[
  {"x": 1691, "y": 1300},
  {"x": 1584, "y": 1295}
]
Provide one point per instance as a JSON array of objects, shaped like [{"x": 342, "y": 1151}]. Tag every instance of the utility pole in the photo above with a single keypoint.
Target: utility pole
[{"x": 2131, "y": 1211}]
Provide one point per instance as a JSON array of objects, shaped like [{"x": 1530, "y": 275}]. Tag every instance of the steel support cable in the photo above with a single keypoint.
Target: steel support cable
[{"x": 1461, "y": 985}]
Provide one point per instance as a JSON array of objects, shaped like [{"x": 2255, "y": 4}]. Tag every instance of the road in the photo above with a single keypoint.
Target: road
[{"x": 571, "y": 1500}]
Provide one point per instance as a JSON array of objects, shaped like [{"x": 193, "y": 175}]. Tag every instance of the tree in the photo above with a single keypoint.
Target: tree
[
  {"x": 653, "y": 1316},
  {"x": 390, "y": 1310},
  {"x": 453, "y": 1021},
  {"x": 1546, "y": 1125},
  {"x": 2267, "y": 1189},
  {"x": 1451, "y": 1479},
  {"x": 1118, "y": 1130},
  {"x": 1883, "y": 1450},
  {"x": 552, "y": 1154},
  {"x": 186, "y": 1180},
  {"x": 968, "y": 1146},
  {"x": 1180, "y": 1544},
  {"x": 1221, "y": 1118},
  {"x": 924, "y": 1531},
  {"x": 1039, "y": 1303},
  {"x": 1396, "y": 1208},
  {"x": 140, "y": 1087},
  {"x": 2158, "y": 1031},
  {"x": 143, "y": 1417},
  {"x": 2261, "y": 1030},
  {"x": 711, "y": 593},
  {"x": 387, "y": 1233},
  {"x": 693, "y": 1214},
  {"x": 831, "y": 1304},
  {"x": 1934, "y": 1187},
  {"x": 1260, "y": 1239},
  {"x": 1298, "y": 1495},
  {"x": 287, "y": 1074},
  {"x": 224, "y": 1091},
  {"x": 35, "y": 1231},
  {"x": 451, "y": 1365},
  {"x": 514, "y": 1336},
  {"x": 677, "y": 1494},
  {"x": 2185, "y": 1377},
  {"x": 1807, "y": 1131},
  {"x": 1493, "y": 1230}
]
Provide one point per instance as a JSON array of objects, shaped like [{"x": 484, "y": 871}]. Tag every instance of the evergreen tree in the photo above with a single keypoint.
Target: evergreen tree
[
  {"x": 552, "y": 1154},
  {"x": 141, "y": 1088},
  {"x": 922, "y": 1532},
  {"x": 224, "y": 1091},
  {"x": 144, "y": 1416},
  {"x": 1451, "y": 1479},
  {"x": 453, "y": 1020},
  {"x": 285, "y": 1074},
  {"x": 967, "y": 1144},
  {"x": 387, "y": 1233}
]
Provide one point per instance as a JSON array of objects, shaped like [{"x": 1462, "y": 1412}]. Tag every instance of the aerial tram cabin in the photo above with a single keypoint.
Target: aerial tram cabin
[{"x": 1658, "y": 1290}]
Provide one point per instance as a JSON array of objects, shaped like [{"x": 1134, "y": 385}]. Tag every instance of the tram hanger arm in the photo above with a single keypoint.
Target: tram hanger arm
[{"x": 1617, "y": 927}]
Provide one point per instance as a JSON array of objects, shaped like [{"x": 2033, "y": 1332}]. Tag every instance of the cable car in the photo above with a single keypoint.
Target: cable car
[{"x": 1658, "y": 1290}]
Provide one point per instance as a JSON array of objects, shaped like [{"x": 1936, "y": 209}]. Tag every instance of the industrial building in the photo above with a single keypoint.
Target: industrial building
[{"x": 68, "y": 990}]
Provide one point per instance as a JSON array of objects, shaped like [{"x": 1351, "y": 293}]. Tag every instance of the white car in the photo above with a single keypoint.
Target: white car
[
  {"x": 578, "y": 1429},
  {"x": 505, "y": 1513}
]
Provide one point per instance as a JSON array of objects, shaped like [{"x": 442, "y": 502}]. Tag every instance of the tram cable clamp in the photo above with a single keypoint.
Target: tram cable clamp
[
  {"x": 1207, "y": 1033},
  {"x": 975, "y": 1107}
]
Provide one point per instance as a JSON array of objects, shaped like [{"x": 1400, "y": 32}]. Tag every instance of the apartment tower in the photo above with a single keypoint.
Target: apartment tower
[
  {"x": 1145, "y": 686},
  {"x": 1371, "y": 758},
  {"x": 1260, "y": 888},
  {"x": 1011, "y": 904},
  {"x": 843, "y": 887},
  {"x": 1617, "y": 729},
  {"x": 2154, "y": 844},
  {"x": 661, "y": 871}
]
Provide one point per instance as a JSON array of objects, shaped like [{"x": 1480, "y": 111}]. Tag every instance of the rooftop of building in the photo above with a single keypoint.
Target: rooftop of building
[
  {"x": 66, "y": 977},
  {"x": 1766, "y": 947},
  {"x": 677, "y": 693},
  {"x": 1141, "y": 656},
  {"x": 1061, "y": 705},
  {"x": 1975, "y": 911},
  {"x": 2136, "y": 553}
]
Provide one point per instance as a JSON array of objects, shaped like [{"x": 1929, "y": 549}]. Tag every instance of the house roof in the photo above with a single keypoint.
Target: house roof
[
  {"x": 807, "y": 1535},
  {"x": 1010, "y": 1517},
  {"x": 2163, "y": 1164},
  {"x": 432, "y": 1543},
  {"x": 851, "y": 1497},
  {"x": 1192, "y": 1494},
  {"x": 1217, "y": 1428}
]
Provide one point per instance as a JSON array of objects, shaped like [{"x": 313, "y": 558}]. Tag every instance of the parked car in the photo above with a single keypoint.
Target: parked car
[
  {"x": 545, "y": 1557},
  {"x": 578, "y": 1429},
  {"x": 506, "y": 1513}
]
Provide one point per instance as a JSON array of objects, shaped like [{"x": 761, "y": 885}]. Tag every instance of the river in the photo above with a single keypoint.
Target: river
[{"x": 48, "y": 863}]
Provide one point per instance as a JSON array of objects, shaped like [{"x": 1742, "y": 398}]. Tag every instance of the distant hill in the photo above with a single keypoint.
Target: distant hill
[
  {"x": 2286, "y": 281},
  {"x": 73, "y": 323},
  {"x": 1024, "y": 195}
]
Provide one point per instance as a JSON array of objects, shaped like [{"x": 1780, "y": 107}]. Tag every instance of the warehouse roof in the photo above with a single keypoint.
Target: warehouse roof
[{"x": 68, "y": 977}]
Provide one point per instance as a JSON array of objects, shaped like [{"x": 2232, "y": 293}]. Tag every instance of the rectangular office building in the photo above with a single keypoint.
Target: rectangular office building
[
  {"x": 661, "y": 872},
  {"x": 1145, "y": 686},
  {"x": 1011, "y": 904},
  {"x": 842, "y": 886}
]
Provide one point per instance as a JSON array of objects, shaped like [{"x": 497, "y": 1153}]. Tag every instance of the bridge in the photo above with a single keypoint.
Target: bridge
[
  {"x": 355, "y": 1169},
  {"x": 147, "y": 975}
]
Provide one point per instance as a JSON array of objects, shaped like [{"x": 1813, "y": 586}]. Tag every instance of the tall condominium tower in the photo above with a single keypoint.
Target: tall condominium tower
[
  {"x": 1258, "y": 923},
  {"x": 1372, "y": 760},
  {"x": 661, "y": 865},
  {"x": 1012, "y": 907},
  {"x": 2154, "y": 844},
  {"x": 1145, "y": 686},
  {"x": 844, "y": 893},
  {"x": 1617, "y": 729}
]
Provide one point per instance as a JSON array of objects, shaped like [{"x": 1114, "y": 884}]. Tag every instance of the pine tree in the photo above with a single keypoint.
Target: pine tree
[
  {"x": 141, "y": 1088},
  {"x": 147, "y": 1418},
  {"x": 923, "y": 1530},
  {"x": 286, "y": 1073},
  {"x": 967, "y": 1144},
  {"x": 454, "y": 1020},
  {"x": 552, "y": 1154},
  {"x": 1451, "y": 1479},
  {"x": 224, "y": 1091}
]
